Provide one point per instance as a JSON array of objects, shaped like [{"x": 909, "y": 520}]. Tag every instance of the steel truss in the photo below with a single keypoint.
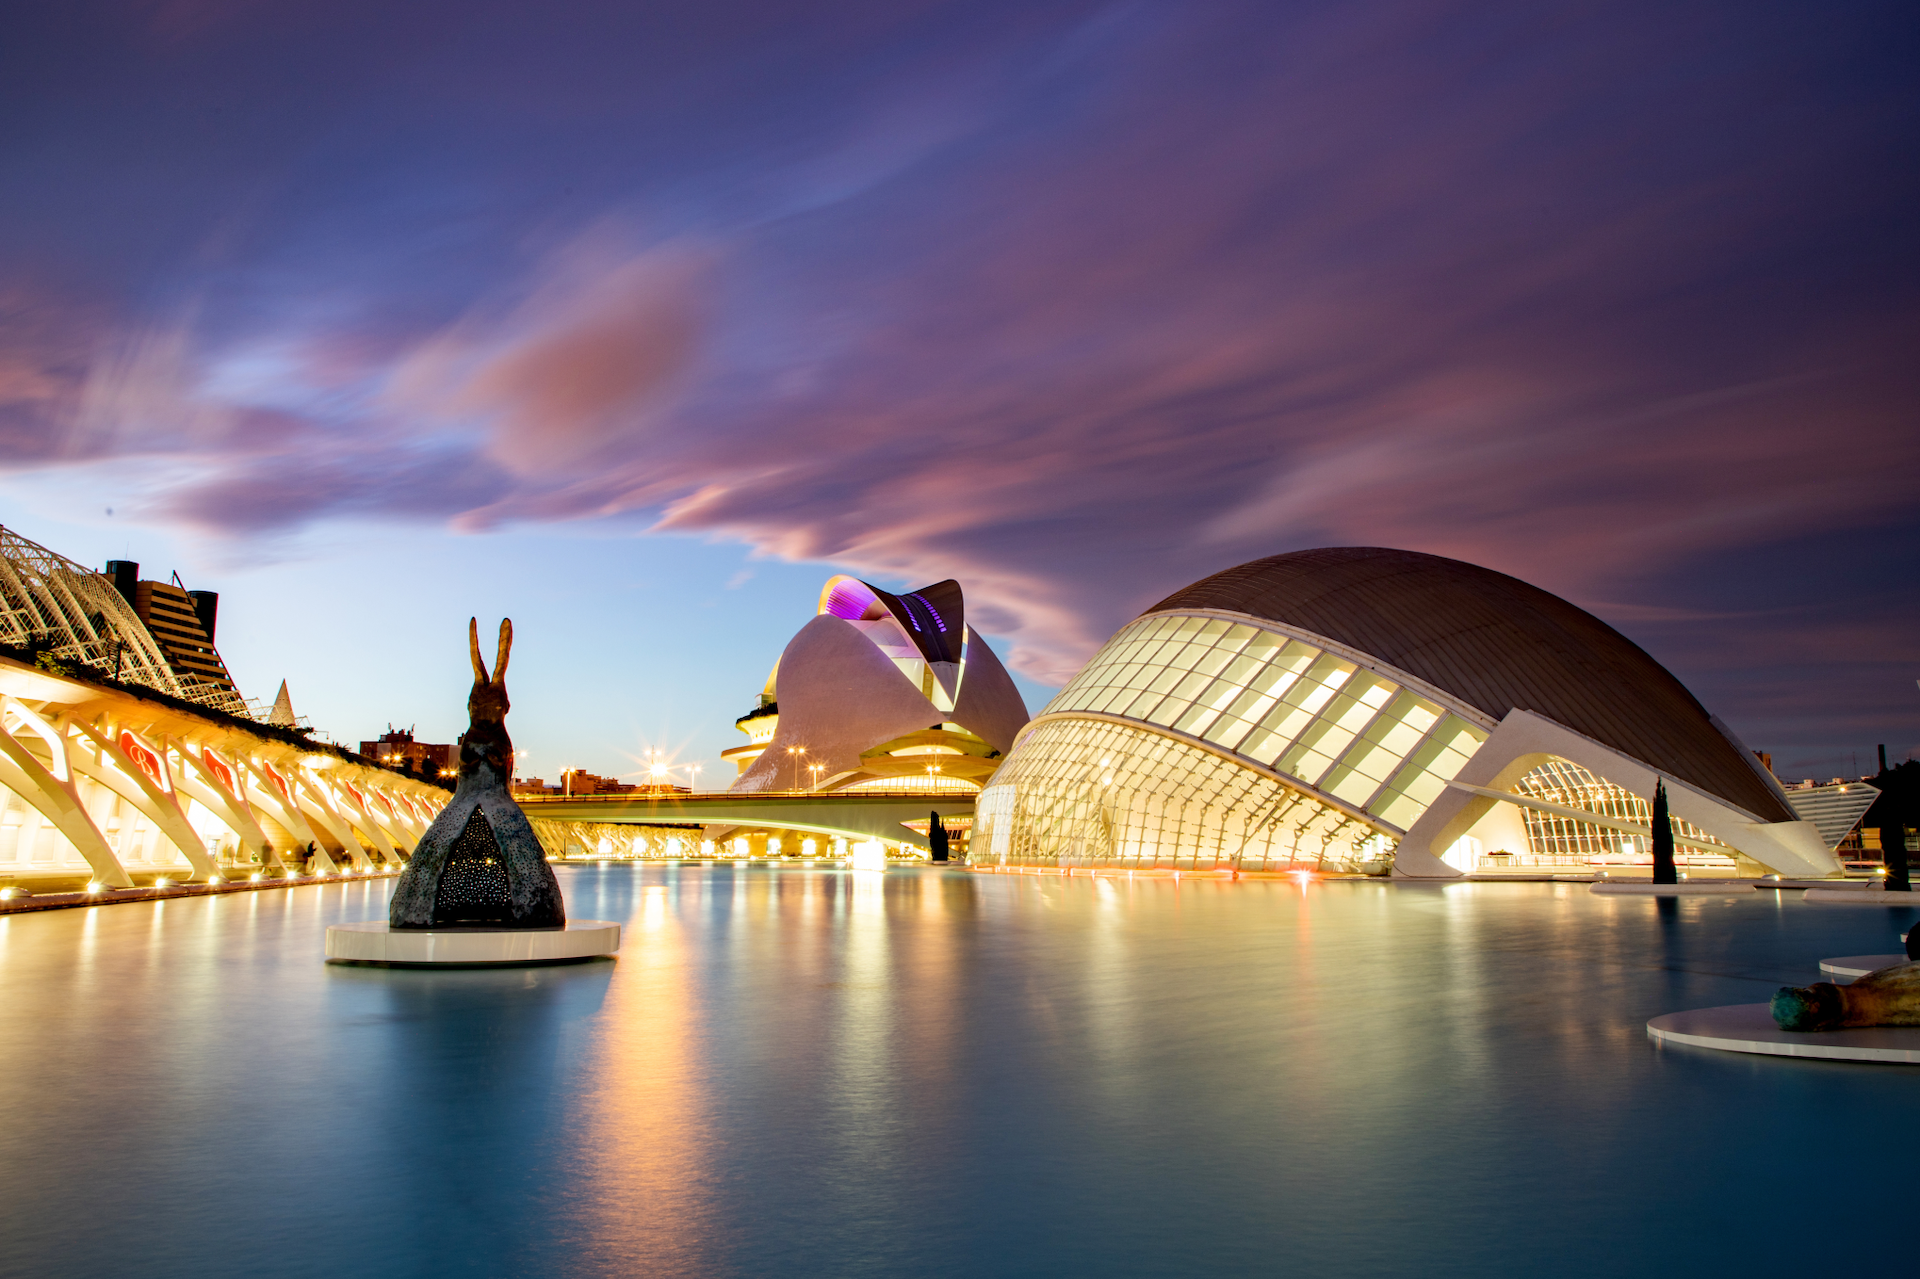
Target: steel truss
[{"x": 49, "y": 601}]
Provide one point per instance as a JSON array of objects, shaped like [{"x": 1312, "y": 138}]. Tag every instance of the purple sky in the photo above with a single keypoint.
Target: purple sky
[{"x": 1074, "y": 302}]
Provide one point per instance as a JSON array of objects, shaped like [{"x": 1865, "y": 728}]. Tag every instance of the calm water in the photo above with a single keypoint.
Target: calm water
[{"x": 825, "y": 1073}]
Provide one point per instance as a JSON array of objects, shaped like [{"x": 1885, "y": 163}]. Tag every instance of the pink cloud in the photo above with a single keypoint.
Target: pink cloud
[{"x": 1157, "y": 291}]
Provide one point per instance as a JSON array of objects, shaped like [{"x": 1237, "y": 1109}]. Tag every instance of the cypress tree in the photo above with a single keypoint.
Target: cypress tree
[
  {"x": 1663, "y": 868},
  {"x": 1893, "y": 848}
]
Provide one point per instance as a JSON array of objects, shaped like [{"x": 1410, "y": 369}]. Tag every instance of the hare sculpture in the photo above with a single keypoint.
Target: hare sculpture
[{"x": 479, "y": 866}]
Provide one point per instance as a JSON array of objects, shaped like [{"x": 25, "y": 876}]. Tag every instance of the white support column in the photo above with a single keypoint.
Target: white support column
[
  {"x": 197, "y": 780},
  {"x": 263, "y": 791},
  {"x": 393, "y": 815},
  {"x": 411, "y": 810},
  {"x": 350, "y": 807},
  {"x": 51, "y": 790},
  {"x": 361, "y": 813},
  {"x": 1523, "y": 741},
  {"x": 379, "y": 810},
  {"x": 316, "y": 807},
  {"x": 115, "y": 769}
]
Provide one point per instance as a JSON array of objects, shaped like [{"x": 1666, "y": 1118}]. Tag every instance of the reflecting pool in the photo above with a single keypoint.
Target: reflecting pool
[{"x": 925, "y": 1072}]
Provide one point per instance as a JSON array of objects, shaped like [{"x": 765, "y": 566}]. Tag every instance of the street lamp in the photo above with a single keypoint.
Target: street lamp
[
  {"x": 794, "y": 753},
  {"x": 816, "y": 770}
]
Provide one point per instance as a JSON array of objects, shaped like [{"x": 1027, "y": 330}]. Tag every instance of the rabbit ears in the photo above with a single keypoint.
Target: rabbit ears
[{"x": 500, "y": 660}]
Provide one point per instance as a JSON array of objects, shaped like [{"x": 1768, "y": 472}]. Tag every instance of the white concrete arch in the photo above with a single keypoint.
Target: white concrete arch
[
  {"x": 115, "y": 769},
  {"x": 201, "y": 783},
  {"x": 1523, "y": 741},
  {"x": 54, "y": 796}
]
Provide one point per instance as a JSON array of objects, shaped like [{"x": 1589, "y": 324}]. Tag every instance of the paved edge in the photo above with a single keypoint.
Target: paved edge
[
  {"x": 1859, "y": 965},
  {"x": 1733, "y": 1031},
  {"x": 115, "y": 896},
  {"x": 1671, "y": 890}
]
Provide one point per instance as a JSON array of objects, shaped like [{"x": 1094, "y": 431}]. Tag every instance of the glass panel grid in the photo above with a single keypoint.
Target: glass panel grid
[
  {"x": 1567, "y": 784},
  {"x": 1090, "y": 792},
  {"x": 1282, "y": 703}
]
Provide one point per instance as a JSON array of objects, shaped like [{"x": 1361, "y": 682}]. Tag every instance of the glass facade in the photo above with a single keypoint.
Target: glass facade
[
  {"x": 1360, "y": 756},
  {"x": 1082, "y": 792},
  {"x": 1554, "y": 839}
]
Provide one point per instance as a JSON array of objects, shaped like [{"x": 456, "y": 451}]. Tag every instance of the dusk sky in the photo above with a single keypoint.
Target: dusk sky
[{"x": 639, "y": 321}]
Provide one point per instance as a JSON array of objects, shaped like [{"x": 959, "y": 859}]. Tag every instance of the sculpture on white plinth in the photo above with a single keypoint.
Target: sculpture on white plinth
[{"x": 480, "y": 865}]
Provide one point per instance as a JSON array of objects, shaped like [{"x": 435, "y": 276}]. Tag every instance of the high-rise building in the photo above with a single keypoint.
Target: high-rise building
[
  {"x": 183, "y": 623},
  {"x": 154, "y": 634}
]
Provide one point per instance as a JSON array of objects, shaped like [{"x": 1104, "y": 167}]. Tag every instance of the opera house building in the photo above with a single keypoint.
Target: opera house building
[
  {"x": 1356, "y": 709},
  {"x": 881, "y": 692}
]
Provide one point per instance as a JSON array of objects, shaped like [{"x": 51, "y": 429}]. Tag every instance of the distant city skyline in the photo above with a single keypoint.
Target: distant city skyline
[{"x": 637, "y": 323}]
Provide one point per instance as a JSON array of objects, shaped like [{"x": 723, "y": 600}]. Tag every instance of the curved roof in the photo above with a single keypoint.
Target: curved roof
[
  {"x": 933, "y": 617},
  {"x": 1497, "y": 644}
]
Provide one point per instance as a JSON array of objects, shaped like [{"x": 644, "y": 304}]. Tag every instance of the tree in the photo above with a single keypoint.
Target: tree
[{"x": 1663, "y": 868}]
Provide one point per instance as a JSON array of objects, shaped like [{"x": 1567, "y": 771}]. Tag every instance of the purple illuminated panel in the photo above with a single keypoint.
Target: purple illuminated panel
[
  {"x": 937, "y": 630},
  {"x": 932, "y": 612},
  {"x": 850, "y": 599}
]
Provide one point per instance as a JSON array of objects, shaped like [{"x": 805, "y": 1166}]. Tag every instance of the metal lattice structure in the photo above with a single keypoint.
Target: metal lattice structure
[{"x": 47, "y": 601}]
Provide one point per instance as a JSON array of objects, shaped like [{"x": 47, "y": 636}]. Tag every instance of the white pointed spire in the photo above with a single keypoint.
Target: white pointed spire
[{"x": 281, "y": 716}]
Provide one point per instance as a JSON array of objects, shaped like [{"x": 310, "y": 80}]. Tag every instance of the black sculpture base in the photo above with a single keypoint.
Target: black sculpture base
[{"x": 478, "y": 866}]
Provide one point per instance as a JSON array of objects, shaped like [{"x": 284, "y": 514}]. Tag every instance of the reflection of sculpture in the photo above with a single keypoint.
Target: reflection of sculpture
[
  {"x": 479, "y": 864},
  {"x": 1888, "y": 997}
]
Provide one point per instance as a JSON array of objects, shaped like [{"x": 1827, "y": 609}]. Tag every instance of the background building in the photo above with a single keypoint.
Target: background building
[
  {"x": 396, "y": 749},
  {"x": 1355, "y": 708},
  {"x": 183, "y": 623},
  {"x": 112, "y": 625},
  {"x": 881, "y": 692}
]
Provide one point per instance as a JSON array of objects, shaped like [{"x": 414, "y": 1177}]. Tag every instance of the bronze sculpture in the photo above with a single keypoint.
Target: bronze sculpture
[
  {"x": 1886, "y": 997},
  {"x": 480, "y": 864}
]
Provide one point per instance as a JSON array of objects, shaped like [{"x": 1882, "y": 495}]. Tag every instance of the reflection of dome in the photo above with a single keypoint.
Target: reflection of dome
[
  {"x": 1332, "y": 706},
  {"x": 881, "y": 692}
]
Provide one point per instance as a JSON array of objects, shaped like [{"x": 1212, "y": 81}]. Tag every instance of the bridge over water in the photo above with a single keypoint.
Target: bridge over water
[{"x": 871, "y": 815}]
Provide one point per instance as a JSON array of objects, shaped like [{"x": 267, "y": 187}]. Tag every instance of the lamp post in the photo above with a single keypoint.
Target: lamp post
[
  {"x": 794, "y": 753},
  {"x": 816, "y": 770}
]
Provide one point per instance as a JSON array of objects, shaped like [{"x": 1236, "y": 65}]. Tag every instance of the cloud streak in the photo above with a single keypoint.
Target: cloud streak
[{"x": 1076, "y": 304}]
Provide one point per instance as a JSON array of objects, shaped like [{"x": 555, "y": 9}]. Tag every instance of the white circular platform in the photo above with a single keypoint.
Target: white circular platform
[
  {"x": 1687, "y": 888},
  {"x": 1851, "y": 966},
  {"x": 1749, "y": 1028},
  {"x": 376, "y": 943},
  {"x": 1860, "y": 897}
]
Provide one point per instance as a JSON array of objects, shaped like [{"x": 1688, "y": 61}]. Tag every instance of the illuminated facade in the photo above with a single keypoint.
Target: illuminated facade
[
  {"x": 1355, "y": 708},
  {"x": 101, "y": 785},
  {"x": 881, "y": 692}
]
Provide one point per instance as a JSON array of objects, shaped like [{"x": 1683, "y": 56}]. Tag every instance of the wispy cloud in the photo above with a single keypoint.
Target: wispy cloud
[{"x": 1075, "y": 303}]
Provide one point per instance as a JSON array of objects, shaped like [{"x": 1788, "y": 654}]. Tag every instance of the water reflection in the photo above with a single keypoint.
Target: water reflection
[{"x": 826, "y": 1072}]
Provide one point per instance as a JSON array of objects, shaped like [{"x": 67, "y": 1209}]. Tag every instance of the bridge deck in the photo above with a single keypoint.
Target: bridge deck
[{"x": 869, "y": 815}]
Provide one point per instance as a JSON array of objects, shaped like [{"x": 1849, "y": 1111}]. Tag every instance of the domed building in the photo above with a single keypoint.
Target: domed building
[
  {"x": 881, "y": 692},
  {"x": 1355, "y": 708}
]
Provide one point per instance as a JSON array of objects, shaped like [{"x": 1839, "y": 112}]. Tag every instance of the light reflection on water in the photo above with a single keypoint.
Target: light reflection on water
[{"x": 827, "y": 1072}]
